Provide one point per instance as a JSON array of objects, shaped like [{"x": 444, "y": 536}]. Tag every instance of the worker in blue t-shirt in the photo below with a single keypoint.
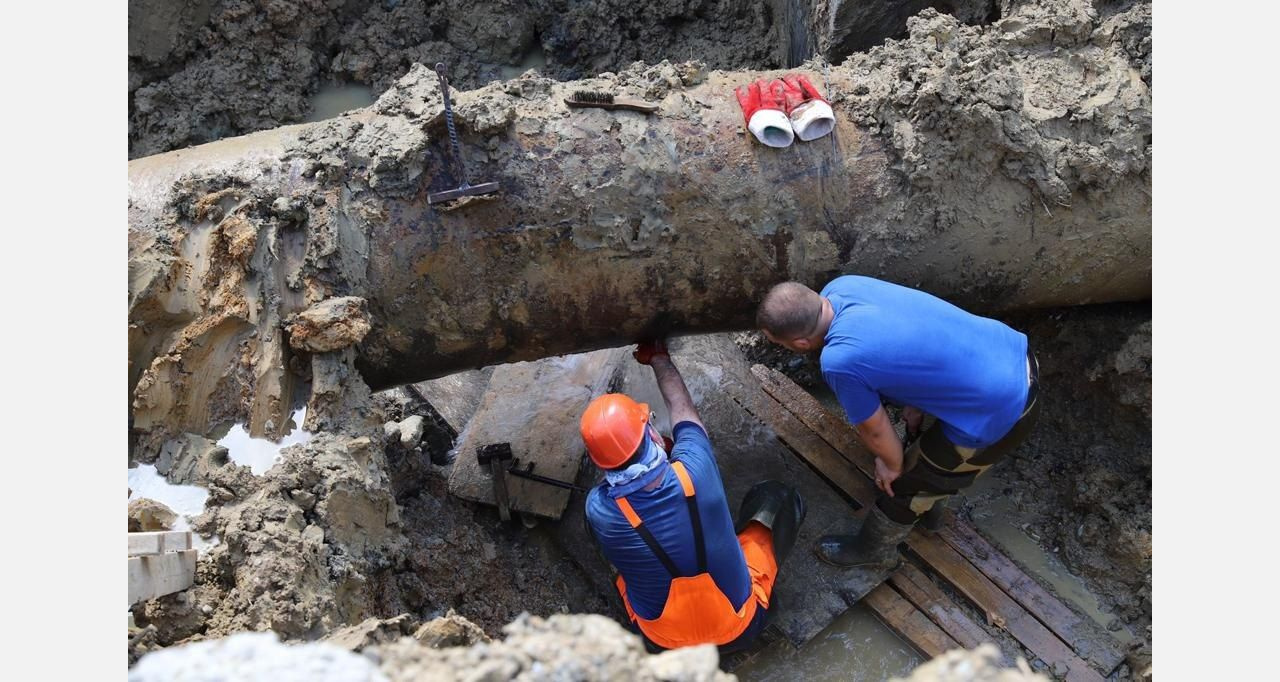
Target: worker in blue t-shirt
[
  {"x": 882, "y": 341},
  {"x": 687, "y": 574}
]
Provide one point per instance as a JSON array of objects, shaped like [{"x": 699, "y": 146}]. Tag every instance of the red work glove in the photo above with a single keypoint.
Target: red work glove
[
  {"x": 810, "y": 114},
  {"x": 647, "y": 351},
  {"x": 764, "y": 109}
]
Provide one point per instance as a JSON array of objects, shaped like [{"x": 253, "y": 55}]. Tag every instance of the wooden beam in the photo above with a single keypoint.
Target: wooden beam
[
  {"x": 920, "y": 590},
  {"x": 835, "y": 430},
  {"x": 1088, "y": 638},
  {"x": 159, "y": 542},
  {"x": 1000, "y": 609},
  {"x": 909, "y": 622},
  {"x": 838, "y": 434},
  {"x": 825, "y": 460},
  {"x": 155, "y": 575}
]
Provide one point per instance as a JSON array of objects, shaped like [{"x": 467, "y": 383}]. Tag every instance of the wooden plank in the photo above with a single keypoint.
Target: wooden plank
[
  {"x": 1000, "y": 609},
  {"x": 909, "y": 622},
  {"x": 822, "y": 457},
  {"x": 834, "y": 429},
  {"x": 920, "y": 590},
  {"x": 155, "y": 575},
  {"x": 534, "y": 406},
  {"x": 840, "y": 435},
  {"x": 1088, "y": 638},
  {"x": 159, "y": 542}
]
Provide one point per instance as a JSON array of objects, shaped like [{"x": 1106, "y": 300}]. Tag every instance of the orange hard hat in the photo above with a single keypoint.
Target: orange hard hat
[{"x": 613, "y": 428}]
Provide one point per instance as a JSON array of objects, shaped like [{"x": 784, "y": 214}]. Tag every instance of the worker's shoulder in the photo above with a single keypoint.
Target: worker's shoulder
[
  {"x": 600, "y": 508},
  {"x": 842, "y": 353},
  {"x": 689, "y": 435}
]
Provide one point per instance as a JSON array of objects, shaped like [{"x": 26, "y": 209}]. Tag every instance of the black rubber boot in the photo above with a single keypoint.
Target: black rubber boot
[
  {"x": 932, "y": 519},
  {"x": 875, "y": 547},
  {"x": 779, "y": 508}
]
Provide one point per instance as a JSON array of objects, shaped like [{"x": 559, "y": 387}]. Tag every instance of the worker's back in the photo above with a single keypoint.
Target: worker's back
[
  {"x": 665, "y": 513},
  {"x": 916, "y": 349}
]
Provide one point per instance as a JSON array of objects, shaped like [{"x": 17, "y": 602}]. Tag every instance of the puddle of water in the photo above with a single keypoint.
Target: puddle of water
[
  {"x": 1000, "y": 521},
  {"x": 260, "y": 454},
  {"x": 332, "y": 100},
  {"x": 533, "y": 59},
  {"x": 186, "y": 501},
  {"x": 856, "y": 646}
]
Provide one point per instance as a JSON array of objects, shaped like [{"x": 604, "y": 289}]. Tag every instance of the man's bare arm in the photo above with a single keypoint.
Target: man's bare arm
[
  {"x": 880, "y": 438},
  {"x": 674, "y": 393}
]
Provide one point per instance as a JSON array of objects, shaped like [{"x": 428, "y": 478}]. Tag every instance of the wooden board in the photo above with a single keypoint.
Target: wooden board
[
  {"x": 1088, "y": 638},
  {"x": 909, "y": 622},
  {"x": 534, "y": 406},
  {"x": 832, "y": 428},
  {"x": 920, "y": 590},
  {"x": 824, "y": 459},
  {"x": 159, "y": 542},
  {"x": 1000, "y": 609},
  {"x": 155, "y": 575}
]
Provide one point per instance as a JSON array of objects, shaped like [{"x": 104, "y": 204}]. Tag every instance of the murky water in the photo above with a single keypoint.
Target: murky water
[
  {"x": 1000, "y": 521},
  {"x": 259, "y": 454},
  {"x": 332, "y": 100},
  {"x": 533, "y": 59},
  {"x": 855, "y": 646},
  {"x": 186, "y": 501}
]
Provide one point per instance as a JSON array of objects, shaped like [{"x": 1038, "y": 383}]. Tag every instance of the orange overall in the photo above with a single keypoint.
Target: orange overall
[{"x": 696, "y": 611}]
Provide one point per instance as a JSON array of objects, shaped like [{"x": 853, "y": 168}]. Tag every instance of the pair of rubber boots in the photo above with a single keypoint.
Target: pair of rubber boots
[
  {"x": 778, "y": 507},
  {"x": 875, "y": 547}
]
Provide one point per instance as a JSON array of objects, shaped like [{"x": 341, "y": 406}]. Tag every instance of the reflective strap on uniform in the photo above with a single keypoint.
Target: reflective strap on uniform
[
  {"x": 632, "y": 517},
  {"x": 686, "y": 483},
  {"x": 695, "y": 518}
]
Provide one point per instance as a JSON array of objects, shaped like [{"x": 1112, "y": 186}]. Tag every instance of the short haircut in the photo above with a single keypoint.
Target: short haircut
[{"x": 789, "y": 311}]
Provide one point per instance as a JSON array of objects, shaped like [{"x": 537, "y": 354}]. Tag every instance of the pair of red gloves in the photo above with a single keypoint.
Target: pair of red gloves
[{"x": 778, "y": 111}]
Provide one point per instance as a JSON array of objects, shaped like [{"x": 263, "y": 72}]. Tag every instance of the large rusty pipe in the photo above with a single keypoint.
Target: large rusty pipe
[{"x": 609, "y": 224}]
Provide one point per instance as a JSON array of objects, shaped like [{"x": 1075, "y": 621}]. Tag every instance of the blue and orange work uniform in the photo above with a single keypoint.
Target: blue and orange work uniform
[{"x": 685, "y": 576}]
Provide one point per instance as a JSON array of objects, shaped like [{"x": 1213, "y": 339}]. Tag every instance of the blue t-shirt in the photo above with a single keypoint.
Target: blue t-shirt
[
  {"x": 915, "y": 349},
  {"x": 666, "y": 514}
]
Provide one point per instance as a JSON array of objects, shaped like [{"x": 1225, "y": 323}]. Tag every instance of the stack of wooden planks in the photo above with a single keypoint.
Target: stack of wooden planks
[
  {"x": 160, "y": 563},
  {"x": 910, "y": 602}
]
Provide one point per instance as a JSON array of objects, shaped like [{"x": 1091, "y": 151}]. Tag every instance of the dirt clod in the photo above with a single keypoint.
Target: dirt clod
[
  {"x": 332, "y": 324},
  {"x": 149, "y": 515}
]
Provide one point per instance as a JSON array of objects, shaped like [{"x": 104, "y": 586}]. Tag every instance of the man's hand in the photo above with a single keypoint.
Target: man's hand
[
  {"x": 913, "y": 417},
  {"x": 647, "y": 351},
  {"x": 886, "y": 476}
]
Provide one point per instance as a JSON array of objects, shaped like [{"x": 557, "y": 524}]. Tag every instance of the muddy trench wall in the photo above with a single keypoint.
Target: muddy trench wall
[
  {"x": 201, "y": 71},
  {"x": 211, "y": 69}
]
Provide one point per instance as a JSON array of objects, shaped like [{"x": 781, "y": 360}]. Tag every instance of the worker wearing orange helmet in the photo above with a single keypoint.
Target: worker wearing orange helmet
[{"x": 687, "y": 573}]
